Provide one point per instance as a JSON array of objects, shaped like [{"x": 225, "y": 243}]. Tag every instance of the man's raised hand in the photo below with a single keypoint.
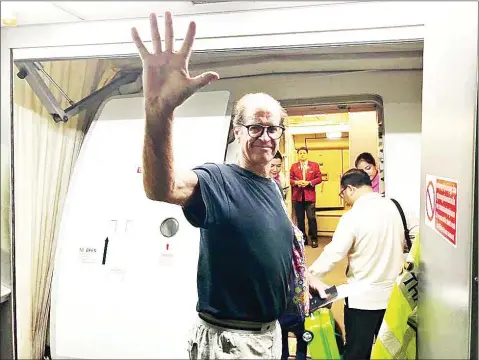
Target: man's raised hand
[{"x": 166, "y": 81}]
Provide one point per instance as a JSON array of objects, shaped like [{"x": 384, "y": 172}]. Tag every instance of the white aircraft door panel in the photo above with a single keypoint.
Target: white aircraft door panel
[
  {"x": 138, "y": 302},
  {"x": 446, "y": 327}
]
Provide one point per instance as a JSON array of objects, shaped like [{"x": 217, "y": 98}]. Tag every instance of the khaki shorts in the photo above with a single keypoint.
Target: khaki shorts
[{"x": 209, "y": 341}]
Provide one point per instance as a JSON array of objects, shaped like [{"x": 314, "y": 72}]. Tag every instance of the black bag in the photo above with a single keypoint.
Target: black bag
[{"x": 407, "y": 236}]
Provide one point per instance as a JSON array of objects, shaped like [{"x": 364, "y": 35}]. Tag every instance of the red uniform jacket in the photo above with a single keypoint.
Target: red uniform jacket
[{"x": 313, "y": 174}]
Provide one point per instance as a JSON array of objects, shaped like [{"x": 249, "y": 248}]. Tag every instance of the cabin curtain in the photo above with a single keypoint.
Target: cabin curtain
[{"x": 44, "y": 155}]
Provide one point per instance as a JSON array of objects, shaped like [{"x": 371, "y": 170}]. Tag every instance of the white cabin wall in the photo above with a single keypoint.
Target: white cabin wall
[{"x": 401, "y": 92}]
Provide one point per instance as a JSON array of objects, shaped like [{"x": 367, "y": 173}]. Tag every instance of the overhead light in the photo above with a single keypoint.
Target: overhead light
[
  {"x": 9, "y": 21},
  {"x": 317, "y": 129},
  {"x": 334, "y": 135},
  {"x": 9, "y": 17}
]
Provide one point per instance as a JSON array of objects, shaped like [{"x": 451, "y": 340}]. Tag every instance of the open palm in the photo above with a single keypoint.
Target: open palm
[{"x": 166, "y": 80}]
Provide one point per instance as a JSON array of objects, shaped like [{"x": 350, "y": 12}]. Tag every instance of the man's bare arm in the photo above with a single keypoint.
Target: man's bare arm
[
  {"x": 166, "y": 85},
  {"x": 160, "y": 181}
]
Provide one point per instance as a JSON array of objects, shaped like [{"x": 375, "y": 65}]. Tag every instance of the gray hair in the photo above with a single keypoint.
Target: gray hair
[{"x": 239, "y": 113}]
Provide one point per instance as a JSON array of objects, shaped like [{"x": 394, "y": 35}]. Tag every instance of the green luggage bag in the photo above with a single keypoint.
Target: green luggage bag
[{"x": 323, "y": 335}]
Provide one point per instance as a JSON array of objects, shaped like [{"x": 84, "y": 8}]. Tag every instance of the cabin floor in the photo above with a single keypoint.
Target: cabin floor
[{"x": 337, "y": 276}]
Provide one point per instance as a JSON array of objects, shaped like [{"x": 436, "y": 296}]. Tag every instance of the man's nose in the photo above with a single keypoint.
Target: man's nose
[{"x": 265, "y": 136}]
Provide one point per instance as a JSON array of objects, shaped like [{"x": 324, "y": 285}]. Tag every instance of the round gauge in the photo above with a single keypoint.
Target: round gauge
[{"x": 169, "y": 227}]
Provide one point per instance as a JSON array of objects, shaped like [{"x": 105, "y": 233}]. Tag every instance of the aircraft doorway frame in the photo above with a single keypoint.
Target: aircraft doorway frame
[
  {"x": 397, "y": 33},
  {"x": 340, "y": 101}
]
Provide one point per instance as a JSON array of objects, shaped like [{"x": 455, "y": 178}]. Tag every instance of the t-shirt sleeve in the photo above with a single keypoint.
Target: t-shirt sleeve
[{"x": 208, "y": 204}]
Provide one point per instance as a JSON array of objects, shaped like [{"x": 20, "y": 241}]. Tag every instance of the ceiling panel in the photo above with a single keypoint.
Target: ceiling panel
[
  {"x": 109, "y": 10},
  {"x": 49, "y": 12},
  {"x": 35, "y": 12}
]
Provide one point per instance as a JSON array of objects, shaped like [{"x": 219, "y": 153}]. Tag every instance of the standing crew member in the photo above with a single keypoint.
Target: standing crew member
[{"x": 304, "y": 176}]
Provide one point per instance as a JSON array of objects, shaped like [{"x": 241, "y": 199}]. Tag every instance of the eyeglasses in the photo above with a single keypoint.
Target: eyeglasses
[{"x": 257, "y": 130}]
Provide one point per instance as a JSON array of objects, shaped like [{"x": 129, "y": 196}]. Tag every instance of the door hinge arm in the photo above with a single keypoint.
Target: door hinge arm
[{"x": 29, "y": 71}]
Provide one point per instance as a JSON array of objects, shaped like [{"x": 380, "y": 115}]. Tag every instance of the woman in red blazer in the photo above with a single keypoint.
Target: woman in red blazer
[{"x": 304, "y": 176}]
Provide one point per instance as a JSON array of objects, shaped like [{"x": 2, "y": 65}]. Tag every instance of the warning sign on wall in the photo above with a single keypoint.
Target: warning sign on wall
[{"x": 441, "y": 207}]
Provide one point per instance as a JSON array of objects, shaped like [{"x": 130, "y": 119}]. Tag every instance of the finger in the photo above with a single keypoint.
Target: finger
[
  {"x": 139, "y": 44},
  {"x": 204, "y": 79},
  {"x": 168, "y": 32},
  {"x": 189, "y": 39},
  {"x": 155, "y": 34}
]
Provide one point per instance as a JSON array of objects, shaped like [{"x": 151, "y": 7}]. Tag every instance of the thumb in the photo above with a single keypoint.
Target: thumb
[{"x": 204, "y": 79}]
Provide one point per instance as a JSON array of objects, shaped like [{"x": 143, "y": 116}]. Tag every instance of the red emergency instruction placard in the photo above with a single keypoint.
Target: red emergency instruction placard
[
  {"x": 441, "y": 207},
  {"x": 446, "y": 205}
]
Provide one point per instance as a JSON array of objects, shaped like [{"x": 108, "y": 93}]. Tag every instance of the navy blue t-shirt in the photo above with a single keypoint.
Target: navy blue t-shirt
[{"x": 246, "y": 244}]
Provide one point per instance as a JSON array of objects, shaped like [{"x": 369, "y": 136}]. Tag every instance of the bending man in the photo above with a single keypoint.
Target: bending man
[{"x": 371, "y": 235}]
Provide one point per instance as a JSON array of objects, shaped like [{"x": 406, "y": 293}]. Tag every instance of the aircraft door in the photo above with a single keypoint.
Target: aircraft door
[
  {"x": 448, "y": 286},
  {"x": 124, "y": 281}
]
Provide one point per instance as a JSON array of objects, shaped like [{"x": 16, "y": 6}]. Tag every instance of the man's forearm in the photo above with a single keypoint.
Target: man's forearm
[
  {"x": 158, "y": 170},
  {"x": 333, "y": 253},
  {"x": 318, "y": 271}
]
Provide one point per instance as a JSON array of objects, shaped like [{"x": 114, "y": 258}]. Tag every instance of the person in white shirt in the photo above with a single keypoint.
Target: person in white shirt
[{"x": 371, "y": 235}]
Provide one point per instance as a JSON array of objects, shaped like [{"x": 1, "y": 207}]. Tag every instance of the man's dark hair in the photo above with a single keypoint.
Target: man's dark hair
[
  {"x": 278, "y": 156},
  {"x": 365, "y": 156},
  {"x": 356, "y": 178},
  {"x": 303, "y": 148}
]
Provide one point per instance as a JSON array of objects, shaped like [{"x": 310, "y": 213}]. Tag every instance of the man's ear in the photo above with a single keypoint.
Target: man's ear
[{"x": 236, "y": 131}]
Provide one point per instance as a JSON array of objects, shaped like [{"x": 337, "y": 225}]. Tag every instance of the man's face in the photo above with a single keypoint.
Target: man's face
[
  {"x": 302, "y": 155},
  {"x": 348, "y": 194},
  {"x": 260, "y": 150}
]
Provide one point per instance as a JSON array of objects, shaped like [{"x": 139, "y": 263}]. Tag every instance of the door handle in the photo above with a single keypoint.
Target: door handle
[
  {"x": 113, "y": 225},
  {"x": 126, "y": 225}
]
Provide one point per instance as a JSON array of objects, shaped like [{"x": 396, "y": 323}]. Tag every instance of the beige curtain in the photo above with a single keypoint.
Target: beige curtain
[{"x": 44, "y": 156}]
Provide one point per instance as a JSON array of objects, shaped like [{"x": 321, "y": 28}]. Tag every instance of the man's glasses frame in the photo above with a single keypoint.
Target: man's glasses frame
[{"x": 274, "y": 131}]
